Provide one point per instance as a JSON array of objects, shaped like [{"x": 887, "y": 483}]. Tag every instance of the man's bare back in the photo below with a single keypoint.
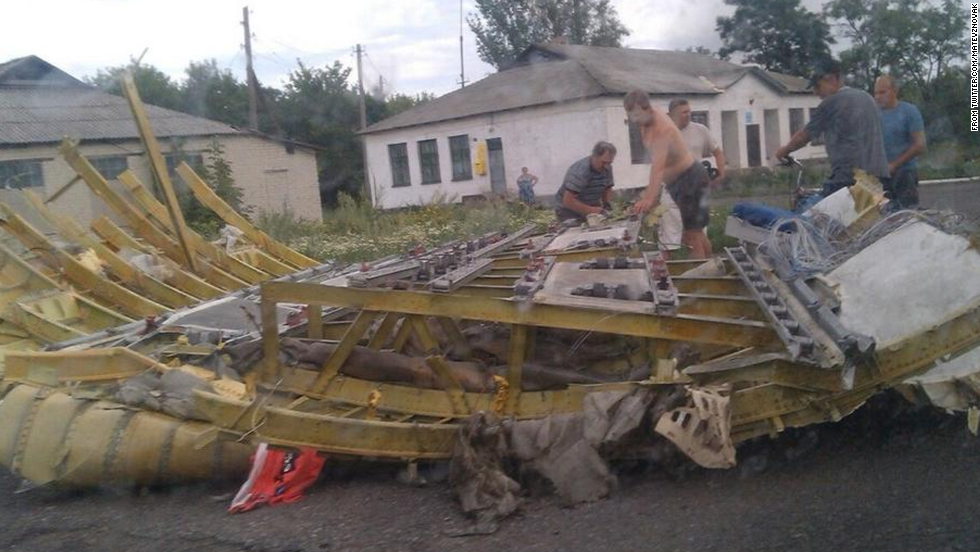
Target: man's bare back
[
  {"x": 663, "y": 134},
  {"x": 671, "y": 164},
  {"x": 669, "y": 157}
]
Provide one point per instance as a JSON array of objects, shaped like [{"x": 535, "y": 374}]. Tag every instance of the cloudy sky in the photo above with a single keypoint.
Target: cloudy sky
[{"x": 412, "y": 44}]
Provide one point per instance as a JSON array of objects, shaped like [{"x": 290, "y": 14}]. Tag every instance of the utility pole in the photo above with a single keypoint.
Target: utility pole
[
  {"x": 360, "y": 89},
  {"x": 462, "y": 73},
  {"x": 253, "y": 104}
]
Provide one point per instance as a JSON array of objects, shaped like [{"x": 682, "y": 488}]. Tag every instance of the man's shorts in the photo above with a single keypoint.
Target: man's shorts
[
  {"x": 690, "y": 191},
  {"x": 903, "y": 188}
]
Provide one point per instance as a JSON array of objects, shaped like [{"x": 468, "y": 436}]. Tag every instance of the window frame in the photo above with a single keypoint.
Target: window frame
[
  {"x": 429, "y": 161},
  {"x": 194, "y": 159},
  {"x": 801, "y": 122},
  {"x": 464, "y": 161},
  {"x": 96, "y": 160},
  {"x": 701, "y": 117},
  {"x": 34, "y": 172},
  {"x": 638, "y": 151},
  {"x": 397, "y": 170}
]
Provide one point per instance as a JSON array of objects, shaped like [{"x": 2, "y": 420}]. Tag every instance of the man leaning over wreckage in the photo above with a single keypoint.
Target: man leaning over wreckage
[
  {"x": 687, "y": 180},
  {"x": 848, "y": 120},
  {"x": 587, "y": 186}
]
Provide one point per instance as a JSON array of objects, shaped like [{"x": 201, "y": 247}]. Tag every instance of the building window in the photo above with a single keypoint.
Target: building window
[
  {"x": 21, "y": 174},
  {"x": 429, "y": 161},
  {"x": 109, "y": 167},
  {"x": 818, "y": 140},
  {"x": 194, "y": 160},
  {"x": 638, "y": 152},
  {"x": 700, "y": 117},
  {"x": 459, "y": 152},
  {"x": 398, "y": 157},
  {"x": 795, "y": 120}
]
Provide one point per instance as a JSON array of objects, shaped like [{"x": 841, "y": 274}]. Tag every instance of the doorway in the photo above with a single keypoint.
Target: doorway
[
  {"x": 752, "y": 146},
  {"x": 495, "y": 152}
]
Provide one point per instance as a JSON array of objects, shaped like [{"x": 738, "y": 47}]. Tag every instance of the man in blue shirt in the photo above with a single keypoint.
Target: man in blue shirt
[{"x": 905, "y": 140}]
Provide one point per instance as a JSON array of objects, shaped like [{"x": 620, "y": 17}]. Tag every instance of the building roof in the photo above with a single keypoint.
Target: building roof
[
  {"x": 553, "y": 73},
  {"x": 40, "y": 103}
]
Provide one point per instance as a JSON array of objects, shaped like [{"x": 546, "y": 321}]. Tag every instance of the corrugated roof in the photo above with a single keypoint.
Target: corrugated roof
[
  {"x": 556, "y": 73},
  {"x": 38, "y": 112}
]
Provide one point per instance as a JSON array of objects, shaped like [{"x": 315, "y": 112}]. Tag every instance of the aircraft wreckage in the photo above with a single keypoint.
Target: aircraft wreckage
[{"x": 140, "y": 352}]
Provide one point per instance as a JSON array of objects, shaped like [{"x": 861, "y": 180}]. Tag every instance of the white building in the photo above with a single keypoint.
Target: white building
[
  {"x": 40, "y": 105},
  {"x": 555, "y": 102}
]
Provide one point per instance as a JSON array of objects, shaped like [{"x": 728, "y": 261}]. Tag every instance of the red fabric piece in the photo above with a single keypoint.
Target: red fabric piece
[{"x": 277, "y": 477}]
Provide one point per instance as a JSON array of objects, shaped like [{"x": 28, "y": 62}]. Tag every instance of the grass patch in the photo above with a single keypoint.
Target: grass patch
[{"x": 356, "y": 232}]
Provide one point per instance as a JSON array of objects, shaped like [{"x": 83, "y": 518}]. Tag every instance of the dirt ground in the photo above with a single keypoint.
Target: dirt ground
[{"x": 871, "y": 483}]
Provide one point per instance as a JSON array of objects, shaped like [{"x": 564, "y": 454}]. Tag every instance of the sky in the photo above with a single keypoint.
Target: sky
[{"x": 413, "y": 45}]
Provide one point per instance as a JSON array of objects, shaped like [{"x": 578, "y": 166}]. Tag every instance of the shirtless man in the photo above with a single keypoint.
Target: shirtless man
[{"x": 687, "y": 181}]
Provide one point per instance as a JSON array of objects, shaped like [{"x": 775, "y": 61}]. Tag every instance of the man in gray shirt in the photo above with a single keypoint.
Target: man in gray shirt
[
  {"x": 588, "y": 184},
  {"x": 848, "y": 119}
]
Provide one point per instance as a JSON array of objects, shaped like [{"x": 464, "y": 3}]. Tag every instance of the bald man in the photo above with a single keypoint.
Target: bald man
[{"x": 905, "y": 140}]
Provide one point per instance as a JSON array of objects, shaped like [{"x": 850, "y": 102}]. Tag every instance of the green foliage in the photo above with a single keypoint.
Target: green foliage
[
  {"x": 505, "y": 28},
  {"x": 779, "y": 35},
  {"x": 396, "y": 103},
  {"x": 215, "y": 94},
  {"x": 320, "y": 107},
  {"x": 216, "y": 172},
  {"x": 155, "y": 87},
  {"x": 354, "y": 231},
  {"x": 917, "y": 40}
]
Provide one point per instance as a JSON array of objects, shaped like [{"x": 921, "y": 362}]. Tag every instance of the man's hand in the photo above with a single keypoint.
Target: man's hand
[
  {"x": 782, "y": 152},
  {"x": 717, "y": 180},
  {"x": 892, "y": 167},
  {"x": 644, "y": 204}
]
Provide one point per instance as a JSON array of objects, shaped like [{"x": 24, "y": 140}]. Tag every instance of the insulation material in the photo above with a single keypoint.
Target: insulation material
[
  {"x": 49, "y": 437},
  {"x": 839, "y": 206},
  {"x": 906, "y": 282},
  {"x": 955, "y": 384},
  {"x": 703, "y": 430}
]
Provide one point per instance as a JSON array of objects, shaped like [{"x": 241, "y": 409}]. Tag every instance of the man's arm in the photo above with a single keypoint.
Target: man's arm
[
  {"x": 651, "y": 195},
  {"x": 720, "y": 165},
  {"x": 800, "y": 139},
  {"x": 917, "y": 148},
  {"x": 606, "y": 195},
  {"x": 570, "y": 201},
  {"x": 534, "y": 180}
]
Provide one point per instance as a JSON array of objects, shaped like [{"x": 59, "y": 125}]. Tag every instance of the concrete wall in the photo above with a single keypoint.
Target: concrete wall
[
  {"x": 548, "y": 139},
  {"x": 269, "y": 176},
  {"x": 545, "y": 139}
]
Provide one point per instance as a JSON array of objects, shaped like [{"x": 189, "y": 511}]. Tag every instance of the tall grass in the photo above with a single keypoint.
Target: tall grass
[{"x": 355, "y": 231}]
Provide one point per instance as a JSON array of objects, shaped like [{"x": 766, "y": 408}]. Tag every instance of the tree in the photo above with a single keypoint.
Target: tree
[
  {"x": 319, "y": 106},
  {"x": 505, "y": 28},
  {"x": 900, "y": 36},
  {"x": 216, "y": 172},
  {"x": 779, "y": 35},
  {"x": 214, "y": 93},
  {"x": 154, "y": 86},
  {"x": 396, "y": 103}
]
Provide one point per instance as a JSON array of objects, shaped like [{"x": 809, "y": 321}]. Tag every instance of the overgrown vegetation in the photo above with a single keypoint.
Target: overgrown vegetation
[
  {"x": 216, "y": 172},
  {"x": 356, "y": 232}
]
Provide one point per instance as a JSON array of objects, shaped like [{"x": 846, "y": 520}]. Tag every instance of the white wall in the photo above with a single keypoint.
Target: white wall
[
  {"x": 548, "y": 139},
  {"x": 268, "y": 176},
  {"x": 545, "y": 139}
]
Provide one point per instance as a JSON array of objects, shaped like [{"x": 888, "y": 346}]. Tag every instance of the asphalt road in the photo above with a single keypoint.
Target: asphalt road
[
  {"x": 874, "y": 482},
  {"x": 961, "y": 197},
  {"x": 870, "y": 483}
]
